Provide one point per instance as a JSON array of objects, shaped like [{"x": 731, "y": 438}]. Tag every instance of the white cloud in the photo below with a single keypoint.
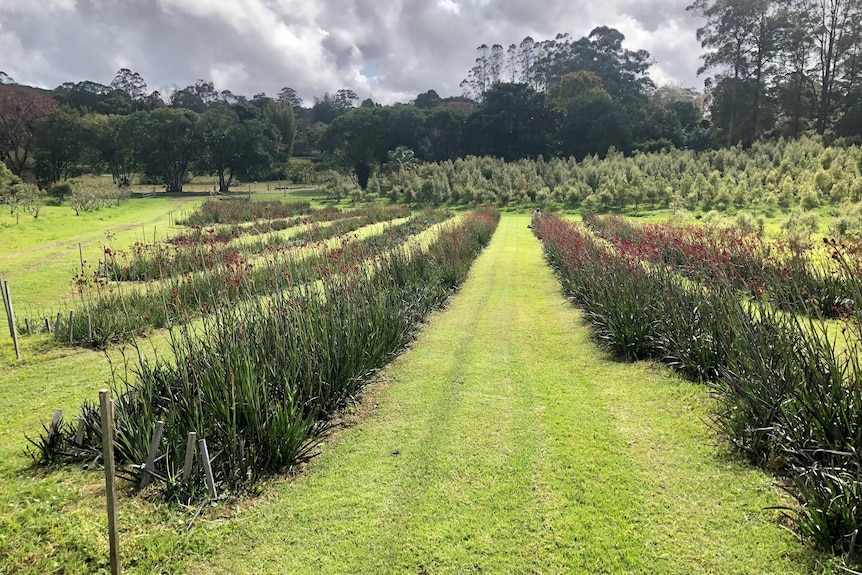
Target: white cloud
[
  {"x": 670, "y": 46},
  {"x": 389, "y": 50},
  {"x": 449, "y": 6},
  {"x": 18, "y": 62},
  {"x": 228, "y": 75}
]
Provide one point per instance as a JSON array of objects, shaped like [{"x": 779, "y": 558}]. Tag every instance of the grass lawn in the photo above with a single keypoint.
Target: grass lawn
[
  {"x": 502, "y": 442},
  {"x": 505, "y": 442},
  {"x": 39, "y": 257}
]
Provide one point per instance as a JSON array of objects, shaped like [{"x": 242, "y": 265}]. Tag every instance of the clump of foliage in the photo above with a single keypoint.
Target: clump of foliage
[
  {"x": 236, "y": 210},
  {"x": 88, "y": 197},
  {"x": 259, "y": 379},
  {"x": 771, "y": 175},
  {"x": 848, "y": 221},
  {"x": 789, "y": 386},
  {"x": 60, "y": 191}
]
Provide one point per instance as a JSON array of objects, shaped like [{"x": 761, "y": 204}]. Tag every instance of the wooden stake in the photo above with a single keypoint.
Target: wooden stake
[
  {"x": 190, "y": 457},
  {"x": 47, "y": 325},
  {"x": 208, "y": 470},
  {"x": 71, "y": 324},
  {"x": 55, "y": 423},
  {"x": 79, "y": 434},
  {"x": 29, "y": 327},
  {"x": 152, "y": 453},
  {"x": 11, "y": 315},
  {"x": 89, "y": 327},
  {"x": 6, "y": 306},
  {"x": 107, "y": 413},
  {"x": 57, "y": 326}
]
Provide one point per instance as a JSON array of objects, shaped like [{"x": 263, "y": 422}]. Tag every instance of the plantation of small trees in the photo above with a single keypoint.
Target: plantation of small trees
[{"x": 779, "y": 175}]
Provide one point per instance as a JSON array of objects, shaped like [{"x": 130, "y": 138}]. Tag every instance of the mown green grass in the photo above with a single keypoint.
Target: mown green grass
[
  {"x": 503, "y": 442},
  {"x": 39, "y": 257},
  {"x": 54, "y": 520}
]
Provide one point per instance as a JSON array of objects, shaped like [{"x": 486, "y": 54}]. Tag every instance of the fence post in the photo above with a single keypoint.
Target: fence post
[
  {"x": 57, "y": 325},
  {"x": 79, "y": 433},
  {"x": 10, "y": 315},
  {"x": 71, "y": 325},
  {"x": 6, "y": 305},
  {"x": 151, "y": 455},
  {"x": 107, "y": 413},
  {"x": 190, "y": 457}
]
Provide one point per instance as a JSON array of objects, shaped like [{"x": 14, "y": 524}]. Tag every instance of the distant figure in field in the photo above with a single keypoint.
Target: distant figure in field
[{"x": 537, "y": 213}]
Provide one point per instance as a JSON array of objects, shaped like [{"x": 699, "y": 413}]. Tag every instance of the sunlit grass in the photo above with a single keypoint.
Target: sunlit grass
[
  {"x": 505, "y": 442},
  {"x": 520, "y": 448},
  {"x": 40, "y": 256}
]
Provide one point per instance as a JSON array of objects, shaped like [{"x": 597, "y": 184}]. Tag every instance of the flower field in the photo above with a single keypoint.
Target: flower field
[
  {"x": 502, "y": 418},
  {"x": 208, "y": 248},
  {"x": 234, "y": 212},
  {"x": 816, "y": 281},
  {"x": 207, "y": 276},
  {"x": 775, "y": 334},
  {"x": 259, "y": 377}
]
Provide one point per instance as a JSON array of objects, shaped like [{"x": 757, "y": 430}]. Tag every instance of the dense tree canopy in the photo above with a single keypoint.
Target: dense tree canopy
[
  {"x": 59, "y": 136},
  {"x": 776, "y": 68},
  {"x": 782, "y": 67},
  {"x": 357, "y": 140},
  {"x": 116, "y": 143},
  {"x": 236, "y": 141},
  {"x": 513, "y": 122},
  {"x": 171, "y": 143},
  {"x": 21, "y": 110}
]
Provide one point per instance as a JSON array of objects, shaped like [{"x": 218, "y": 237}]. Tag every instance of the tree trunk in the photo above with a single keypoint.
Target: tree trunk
[
  {"x": 732, "y": 120},
  {"x": 834, "y": 20},
  {"x": 796, "y": 123},
  {"x": 758, "y": 79}
]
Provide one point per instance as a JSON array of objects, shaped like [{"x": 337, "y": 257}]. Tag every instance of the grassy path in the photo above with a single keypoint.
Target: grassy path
[{"x": 504, "y": 442}]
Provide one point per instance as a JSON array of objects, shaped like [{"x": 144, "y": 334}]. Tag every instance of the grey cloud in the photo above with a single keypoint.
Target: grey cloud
[
  {"x": 404, "y": 46},
  {"x": 653, "y": 13}
]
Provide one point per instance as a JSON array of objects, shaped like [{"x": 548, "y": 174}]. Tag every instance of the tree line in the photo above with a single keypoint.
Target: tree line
[
  {"x": 782, "y": 68},
  {"x": 778, "y": 69},
  {"x": 781, "y": 176},
  {"x": 50, "y": 137}
]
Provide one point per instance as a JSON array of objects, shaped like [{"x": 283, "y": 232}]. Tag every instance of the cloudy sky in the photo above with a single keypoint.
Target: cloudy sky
[{"x": 389, "y": 50}]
